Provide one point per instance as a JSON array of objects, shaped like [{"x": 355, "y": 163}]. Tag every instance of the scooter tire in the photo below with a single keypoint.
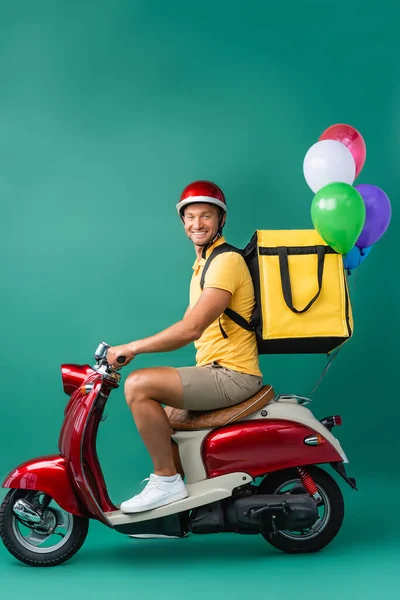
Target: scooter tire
[
  {"x": 324, "y": 482},
  {"x": 80, "y": 527}
]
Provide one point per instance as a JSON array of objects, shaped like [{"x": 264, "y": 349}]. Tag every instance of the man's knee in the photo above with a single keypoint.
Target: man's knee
[{"x": 135, "y": 386}]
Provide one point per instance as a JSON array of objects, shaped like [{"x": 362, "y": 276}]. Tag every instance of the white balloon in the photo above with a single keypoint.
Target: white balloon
[{"x": 326, "y": 162}]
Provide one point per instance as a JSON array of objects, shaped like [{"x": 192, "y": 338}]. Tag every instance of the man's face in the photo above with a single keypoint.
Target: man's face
[{"x": 201, "y": 222}]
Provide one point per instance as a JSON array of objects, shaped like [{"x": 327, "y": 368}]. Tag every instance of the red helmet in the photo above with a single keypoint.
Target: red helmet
[{"x": 199, "y": 192}]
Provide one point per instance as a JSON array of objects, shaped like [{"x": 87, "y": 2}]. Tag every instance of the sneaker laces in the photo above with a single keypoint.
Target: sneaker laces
[{"x": 152, "y": 484}]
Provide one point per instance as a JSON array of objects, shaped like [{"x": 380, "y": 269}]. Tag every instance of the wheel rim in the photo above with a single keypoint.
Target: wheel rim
[
  {"x": 324, "y": 511},
  {"x": 44, "y": 538}
]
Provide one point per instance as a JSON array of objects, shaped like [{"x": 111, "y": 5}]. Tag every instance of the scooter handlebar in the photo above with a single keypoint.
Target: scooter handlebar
[{"x": 101, "y": 355}]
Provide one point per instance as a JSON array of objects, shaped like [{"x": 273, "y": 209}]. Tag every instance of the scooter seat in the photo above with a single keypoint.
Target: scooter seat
[{"x": 193, "y": 419}]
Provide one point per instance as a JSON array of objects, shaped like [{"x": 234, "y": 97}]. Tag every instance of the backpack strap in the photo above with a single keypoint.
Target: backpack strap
[
  {"x": 221, "y": 249},
  {"x": 233, "y": 315}
]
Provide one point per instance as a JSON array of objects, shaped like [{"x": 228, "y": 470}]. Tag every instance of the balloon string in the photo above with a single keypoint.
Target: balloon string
[
  {"x": 357, "y": 273},
  {"x": 328, "y": 364},
  {"x": 354, "y": 278},
  {"x": 334, "y": 354}
]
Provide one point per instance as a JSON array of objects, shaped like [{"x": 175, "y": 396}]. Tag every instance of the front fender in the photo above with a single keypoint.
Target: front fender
[{"x": 47, "y": 474}]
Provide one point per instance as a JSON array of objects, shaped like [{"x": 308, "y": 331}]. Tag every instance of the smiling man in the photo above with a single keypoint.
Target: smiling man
[{"x": 227, "y": 370}]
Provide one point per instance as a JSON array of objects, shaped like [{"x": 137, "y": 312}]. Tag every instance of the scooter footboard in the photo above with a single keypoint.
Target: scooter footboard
[{"x": 47, "y": 474}]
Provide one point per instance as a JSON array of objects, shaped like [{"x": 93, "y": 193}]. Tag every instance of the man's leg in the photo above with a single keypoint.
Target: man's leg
[{"x": 145, "y": 391}]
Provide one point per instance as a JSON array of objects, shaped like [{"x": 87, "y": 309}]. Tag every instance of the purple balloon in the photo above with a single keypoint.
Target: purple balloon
[{"x": 378, "y": 214}]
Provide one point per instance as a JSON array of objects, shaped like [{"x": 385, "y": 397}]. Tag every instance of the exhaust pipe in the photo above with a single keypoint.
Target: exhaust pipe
[{"x": 25, "y": 511}]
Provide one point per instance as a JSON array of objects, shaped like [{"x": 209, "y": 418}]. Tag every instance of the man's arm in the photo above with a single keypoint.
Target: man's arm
[{"x": 210, "y": 306}]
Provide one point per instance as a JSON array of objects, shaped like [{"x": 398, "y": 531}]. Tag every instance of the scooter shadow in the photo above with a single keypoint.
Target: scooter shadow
[
  {"x": 219, "y": 549},
  {"x": 194, "y": 551},
  {"x": 187, "y": 550}
]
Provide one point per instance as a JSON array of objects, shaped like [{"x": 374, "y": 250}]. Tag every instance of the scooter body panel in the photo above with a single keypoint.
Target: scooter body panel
[
  {"x": 48, "y": 474},
  {"x": 263, "y": 446},
  {"x": 77, "y": 442},
  {"x": 290, "y": 410},
  {"x": 74, "y": 376},
  {"x": 208, "y": 452},
  {"x": 190, "y": 451}
]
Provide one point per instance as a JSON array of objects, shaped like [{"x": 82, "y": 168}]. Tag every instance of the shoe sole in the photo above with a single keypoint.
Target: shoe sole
[{"x": 164, "y": 502}]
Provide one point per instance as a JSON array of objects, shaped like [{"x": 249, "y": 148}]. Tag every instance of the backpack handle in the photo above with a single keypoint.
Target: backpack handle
[{"x": 285, "y": 277}]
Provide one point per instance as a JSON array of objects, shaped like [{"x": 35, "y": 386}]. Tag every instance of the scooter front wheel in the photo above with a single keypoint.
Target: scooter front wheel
[
  {"x": 38, "y": 533},
  {"x": 330, "y": 510}
]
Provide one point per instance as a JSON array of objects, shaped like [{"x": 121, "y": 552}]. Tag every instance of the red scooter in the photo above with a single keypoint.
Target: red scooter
[{"x": 297, "y": 507}]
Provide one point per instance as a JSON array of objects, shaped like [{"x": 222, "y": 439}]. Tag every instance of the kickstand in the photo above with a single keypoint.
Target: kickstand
[{"x": 274, "y": 528}]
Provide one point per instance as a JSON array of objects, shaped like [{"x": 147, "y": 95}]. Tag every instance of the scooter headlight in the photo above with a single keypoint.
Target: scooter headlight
[{"x": 74, "y": 376}]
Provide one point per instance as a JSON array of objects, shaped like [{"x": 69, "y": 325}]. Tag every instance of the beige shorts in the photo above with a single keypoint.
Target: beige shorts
[{"x": 213, "y": 387}]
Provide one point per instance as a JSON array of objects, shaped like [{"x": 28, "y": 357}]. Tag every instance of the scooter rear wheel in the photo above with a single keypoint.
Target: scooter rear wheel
[
  {"x": 46, "y": 544},
  {"x": 331, "y": 511}
]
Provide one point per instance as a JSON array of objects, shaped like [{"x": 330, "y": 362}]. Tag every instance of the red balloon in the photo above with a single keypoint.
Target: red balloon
[{"x": 350, "y": 137}]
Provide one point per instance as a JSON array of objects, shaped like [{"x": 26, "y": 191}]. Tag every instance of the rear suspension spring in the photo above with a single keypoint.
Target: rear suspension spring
[{"x": 308, "y": 483}]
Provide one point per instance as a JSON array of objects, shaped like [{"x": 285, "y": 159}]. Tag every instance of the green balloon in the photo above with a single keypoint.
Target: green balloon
[{"x": 338, "y": 214}]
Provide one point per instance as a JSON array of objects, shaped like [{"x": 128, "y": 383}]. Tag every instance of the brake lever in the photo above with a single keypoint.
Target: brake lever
[
  {"x": 120, "y": 359},
  {"x": 110, "y": 369}
]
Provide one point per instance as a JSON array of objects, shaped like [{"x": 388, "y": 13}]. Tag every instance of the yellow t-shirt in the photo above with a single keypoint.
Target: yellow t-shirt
[{"x": 238, "y": 351}]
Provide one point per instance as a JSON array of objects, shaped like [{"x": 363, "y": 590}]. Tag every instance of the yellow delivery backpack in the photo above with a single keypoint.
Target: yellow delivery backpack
[{"x": 302, "y": 300}]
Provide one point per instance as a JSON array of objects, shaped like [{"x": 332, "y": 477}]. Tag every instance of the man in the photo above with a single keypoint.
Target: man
[{"x": 226, "y": 371}]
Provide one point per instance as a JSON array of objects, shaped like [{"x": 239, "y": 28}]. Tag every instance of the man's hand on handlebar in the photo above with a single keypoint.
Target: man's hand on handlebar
[{"x": 120, "y": 356}]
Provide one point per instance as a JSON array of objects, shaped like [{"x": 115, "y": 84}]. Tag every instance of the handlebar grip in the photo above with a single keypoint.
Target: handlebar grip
[{"x": 121, "y": 359}]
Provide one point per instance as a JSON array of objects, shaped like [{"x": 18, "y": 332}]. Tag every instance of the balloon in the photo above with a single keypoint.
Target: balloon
[
  {"x": 326, "y": 162},
  {"x": 378, "y": 214},
  {"x": 355, "y": 257},
  {"x": 351, "y": 138},
  {"x": 338, "y": 214}
]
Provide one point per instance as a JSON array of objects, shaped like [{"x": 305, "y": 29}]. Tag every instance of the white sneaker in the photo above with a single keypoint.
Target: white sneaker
[{"x": 156, "y": 493}]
